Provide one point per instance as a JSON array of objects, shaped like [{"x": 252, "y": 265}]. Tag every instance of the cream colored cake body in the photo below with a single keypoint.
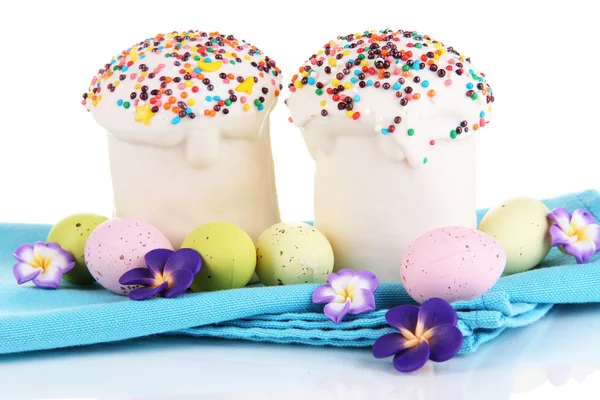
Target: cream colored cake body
[
  {"x": 371, "y": 208},
  {"x": 390, "y": 118},
  {"x": 159, "y": 185}
]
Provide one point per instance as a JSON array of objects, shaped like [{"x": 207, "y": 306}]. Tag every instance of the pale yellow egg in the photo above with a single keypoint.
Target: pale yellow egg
[{"x": 521, "y": 226}]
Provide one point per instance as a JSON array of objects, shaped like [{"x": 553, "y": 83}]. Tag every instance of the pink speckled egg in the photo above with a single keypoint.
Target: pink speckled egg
[
  {"x": 118, "y": 245},
  {"x": 452, "y": 263}
]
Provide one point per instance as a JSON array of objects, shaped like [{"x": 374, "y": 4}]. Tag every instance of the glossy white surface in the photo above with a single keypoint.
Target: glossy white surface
[{"x": 552, "y": 359}]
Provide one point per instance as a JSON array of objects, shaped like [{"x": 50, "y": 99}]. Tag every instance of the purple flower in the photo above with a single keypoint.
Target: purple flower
[
  {"x": 169, "y": 273},
  {"x": 348, "y": 292},
  {"x": 426, "y": 333},
  {"x": 577, "y": 235},
  {"x": 42, "y": 263}
]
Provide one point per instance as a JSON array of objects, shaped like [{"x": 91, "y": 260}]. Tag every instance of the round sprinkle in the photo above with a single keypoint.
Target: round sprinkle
[
  {"x": 425, "y": 84},
  {"x": 410, "y": 132},
  {"x": 453, "y": 134}
]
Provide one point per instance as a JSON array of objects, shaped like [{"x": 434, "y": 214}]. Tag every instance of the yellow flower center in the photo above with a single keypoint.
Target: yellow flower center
[
  {"x": 160, "y": 279},
  {"x": 347, "y": 294},
  {"x": 575, "y": 231},
  {"x": 41, "y": 262},
  {"x": 581, "y": 235},
  {"x": 413, "y": 339}
]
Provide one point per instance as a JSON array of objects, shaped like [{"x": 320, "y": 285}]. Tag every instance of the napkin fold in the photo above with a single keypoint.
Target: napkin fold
[{"x": 36, "y": 319}]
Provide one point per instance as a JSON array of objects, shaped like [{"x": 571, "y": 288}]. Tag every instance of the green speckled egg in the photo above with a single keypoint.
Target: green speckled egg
[
  {"x": 293, "y": 253},
  {"x": 228, "y": 256},
  {"x": 521, "y": 227},
  {"x": 71, "y": 233}
]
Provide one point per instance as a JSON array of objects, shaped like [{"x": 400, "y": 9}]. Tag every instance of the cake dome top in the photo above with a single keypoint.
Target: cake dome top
[
  {"x": 181, "y": 76},
  {"x": 402, "y": 83}
]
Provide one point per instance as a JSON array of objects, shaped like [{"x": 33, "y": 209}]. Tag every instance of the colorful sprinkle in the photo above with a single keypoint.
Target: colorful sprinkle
[{"x": 165, "y": 66}]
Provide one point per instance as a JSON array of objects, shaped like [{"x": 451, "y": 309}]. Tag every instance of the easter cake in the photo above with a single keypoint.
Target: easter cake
[
  {"x": 390, "y": 118},
  {"x": 187, "y": 118}
]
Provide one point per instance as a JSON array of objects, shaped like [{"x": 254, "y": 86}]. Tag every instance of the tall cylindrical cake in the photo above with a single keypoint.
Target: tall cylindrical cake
[
  {"x": 187, "y": 117},
  {"x": 390, "y": 118}
]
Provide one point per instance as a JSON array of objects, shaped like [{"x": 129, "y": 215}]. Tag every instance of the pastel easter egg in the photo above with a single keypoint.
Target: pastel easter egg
[
  {"x": 119, "y": 245},
  {"x": 293, "y": 253},
  {"x": 228, "y": 255},
  {"x": 452, "y": 263},
  {"x": 522, "y": 228},
  {"x": 71, "y": 233}
]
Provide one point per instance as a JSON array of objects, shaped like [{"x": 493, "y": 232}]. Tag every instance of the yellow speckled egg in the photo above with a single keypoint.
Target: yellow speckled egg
[
  {"x": 228, "y": 256},
  {"x": 71, "y": 233},
  {"x": 293, "y": 253},
  {"x": 521, "y": 226}
]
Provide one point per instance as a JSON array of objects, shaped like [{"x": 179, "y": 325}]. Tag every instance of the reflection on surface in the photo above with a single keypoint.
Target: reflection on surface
[{"x": 558, "y": 351}]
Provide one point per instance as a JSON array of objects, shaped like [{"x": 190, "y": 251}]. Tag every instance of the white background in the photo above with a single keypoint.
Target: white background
[{"x": 541, "y": 58}]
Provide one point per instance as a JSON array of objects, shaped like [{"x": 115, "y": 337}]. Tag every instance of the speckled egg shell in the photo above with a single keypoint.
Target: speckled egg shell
[
  {"x": 452, "y": 263},
  {"x": 228, "y": 255},
  {"x": 521, "y": 226},
  {"x": 71, "y": 233},
  {"x": 119, "y": 245},
  {"x": 293, "y": 253}
]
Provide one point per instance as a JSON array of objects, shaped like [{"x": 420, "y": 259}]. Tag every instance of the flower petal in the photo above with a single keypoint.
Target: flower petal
[
  {"x": 582, "y": 250},
  {"x": 24, "y": 253},
  {"x": 156, "y": 260},
  {"x": 559, "y": 237},
  {"x": 179, "y": 281},
  {"x": 324, "y": 294},
  {"x": 184, "y": 259},
  {"x": 147, "y": 292},
  {"x": 362, "y": 301},
  {"x": 40, "y": 249},
  {"x": 412, "y": 359},
  {"x": 593, "y": 232},
  {"x": 403, "y": 317},
  {"x": 561, "y": 217},
  {"x": 365, "y": 280},
  {"x": 388, "y": 345},
  {"x": 137, "y": 276},
  {"x": 59, "y": 257},
  {"x": 435, "y": 312},
  {"x": 337, "y": 311},
  {"x": 24, "y": 272},
  {"x": 581, "y": 219},
  {"x": 340, "y": 280},
  {"x": 444, "y": 343},
  {"x": 50, "y": 278}
]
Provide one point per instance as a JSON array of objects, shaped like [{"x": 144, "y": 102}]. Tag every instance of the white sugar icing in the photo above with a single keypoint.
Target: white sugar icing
[{"x": 394, "y": 83}]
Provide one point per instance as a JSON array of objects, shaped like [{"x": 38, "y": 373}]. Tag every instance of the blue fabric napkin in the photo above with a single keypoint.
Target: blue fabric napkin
[{"x": 37, "y": 319}]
